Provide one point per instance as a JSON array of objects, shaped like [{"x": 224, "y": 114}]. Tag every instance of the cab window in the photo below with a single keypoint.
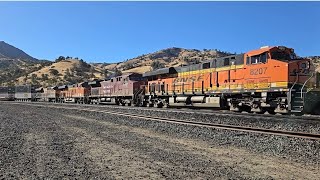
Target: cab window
[
  {"x": 261, "y": 58},
  {"x": 206, "y": 65},
  {"x": 226, "y": 62}
]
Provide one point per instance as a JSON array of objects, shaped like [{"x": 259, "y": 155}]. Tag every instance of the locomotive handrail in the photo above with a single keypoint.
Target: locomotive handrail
[
  {"x": 290, "y": 91},
  {"x": 306, "y": 83}
]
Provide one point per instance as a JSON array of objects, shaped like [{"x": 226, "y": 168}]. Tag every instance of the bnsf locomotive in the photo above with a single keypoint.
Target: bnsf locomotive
[{"x": 270, "y": 79}]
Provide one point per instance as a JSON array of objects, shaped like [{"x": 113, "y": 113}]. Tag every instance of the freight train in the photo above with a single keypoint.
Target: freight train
[{"x": 269, "y": 79}]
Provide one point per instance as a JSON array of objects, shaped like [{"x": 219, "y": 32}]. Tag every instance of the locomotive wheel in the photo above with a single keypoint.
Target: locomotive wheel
[
  {"x": 271, "y": 111},
  {"x": 262, "y": 111},
  {"x": 246, "y": 109},
  {"x": 150, "y": 105},
  {"x": 158, "y": 105}
]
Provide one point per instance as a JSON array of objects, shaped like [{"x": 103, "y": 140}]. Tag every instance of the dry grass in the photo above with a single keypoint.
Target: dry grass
[{"x": 141, "y": 69}]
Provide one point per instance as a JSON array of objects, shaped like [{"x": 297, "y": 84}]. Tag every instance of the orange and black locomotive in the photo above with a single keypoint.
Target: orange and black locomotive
[{"x": 269, "y": 79}]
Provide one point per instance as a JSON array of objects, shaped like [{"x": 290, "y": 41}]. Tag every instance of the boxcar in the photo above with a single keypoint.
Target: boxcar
[
  {"x": 26, "y": 93},
  {"x": 6, "y": 93}
]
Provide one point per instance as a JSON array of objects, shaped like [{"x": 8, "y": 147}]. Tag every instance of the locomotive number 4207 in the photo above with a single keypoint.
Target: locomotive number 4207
[{"x": 258, "y": 71}]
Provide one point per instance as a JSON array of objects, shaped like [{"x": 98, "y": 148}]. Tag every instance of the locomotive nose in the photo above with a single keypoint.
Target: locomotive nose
[{"x": 300, "y": 68}]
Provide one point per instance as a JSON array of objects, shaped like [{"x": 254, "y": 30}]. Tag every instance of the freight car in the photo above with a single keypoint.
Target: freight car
[
  {"x": 7, "y": 93},
  {"x": 269, "y": 79},
  {"x": 27, "y": 93},
  {"x": 121, "y": 90}
]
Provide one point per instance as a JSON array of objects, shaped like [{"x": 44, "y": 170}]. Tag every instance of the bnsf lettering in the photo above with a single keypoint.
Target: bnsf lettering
[
  {"x": 187, "y": 79},
  {"x": 258, "y": 71}
]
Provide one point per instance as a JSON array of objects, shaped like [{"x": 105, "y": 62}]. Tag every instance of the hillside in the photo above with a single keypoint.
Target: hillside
[
  {"x": 66, "y": 71},
  {"x": 17, "y": 67},
  {"x": 316, "y": 61},
  {"x": 8, "y": 52},
  {"x": 165, "y": 58},
  {"x": 15, "y": 63}
]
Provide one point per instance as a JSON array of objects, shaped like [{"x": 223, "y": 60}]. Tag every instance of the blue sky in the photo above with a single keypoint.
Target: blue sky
[{"x": 116, "y": 31}]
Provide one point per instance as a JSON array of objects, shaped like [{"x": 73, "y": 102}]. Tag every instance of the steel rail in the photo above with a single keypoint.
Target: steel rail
[
  {"x": 201, "y": 124},
  {"x": 202, "y": 112}
]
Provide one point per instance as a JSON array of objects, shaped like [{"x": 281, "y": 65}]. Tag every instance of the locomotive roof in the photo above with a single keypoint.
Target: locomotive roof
[
  {"x": 123, "y": 75},
  {"x": 170, "y": 70},
  {"x": 94, "y": 82},
  {"x": 39, "y": 89},
  {"x": 259, "y": 51},
  {"x": 235, "y": 59},
  {"x": 62, "y": 87}
]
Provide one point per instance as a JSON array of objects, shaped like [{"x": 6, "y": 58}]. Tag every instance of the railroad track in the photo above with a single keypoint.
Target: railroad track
[
  {"x": 195, "y": 123},
  {"x": 199, "y": 111}
]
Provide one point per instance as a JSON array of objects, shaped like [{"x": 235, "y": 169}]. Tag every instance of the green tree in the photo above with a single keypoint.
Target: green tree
[
  {"x": 92, "y": 71},
  {"x": 44, "y": 77},
  {"x": 105, "y": 73},
  {"x": 34, "y": 78},
  {"x": 157, "y": 65},
  {"x": 60, "y": 58},
  {"x": 117, "y": 72},
  {"x": 25, "y": 78},
  {"x": 54, "y": 72}
]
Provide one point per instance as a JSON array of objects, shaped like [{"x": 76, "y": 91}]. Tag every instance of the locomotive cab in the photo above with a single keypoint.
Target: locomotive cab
[{"x": 282, "y": 78}]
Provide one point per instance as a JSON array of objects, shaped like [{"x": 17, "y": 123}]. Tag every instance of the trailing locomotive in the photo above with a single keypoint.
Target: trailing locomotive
[
  {"x": 270, "y": 79},
  {"x": 121, "y": 90}
]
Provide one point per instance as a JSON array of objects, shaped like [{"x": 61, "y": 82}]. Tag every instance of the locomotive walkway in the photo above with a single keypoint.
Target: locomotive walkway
[{"x": 41, "y": 140}]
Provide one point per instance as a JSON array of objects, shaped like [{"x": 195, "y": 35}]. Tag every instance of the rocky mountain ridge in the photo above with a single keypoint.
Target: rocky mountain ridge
[{"x": 17, "y": 67}]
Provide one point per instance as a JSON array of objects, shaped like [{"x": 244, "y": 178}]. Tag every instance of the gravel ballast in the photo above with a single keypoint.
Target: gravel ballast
[
  {"x": 276, "y": 122},
  {"x": 42, "y": 142}
]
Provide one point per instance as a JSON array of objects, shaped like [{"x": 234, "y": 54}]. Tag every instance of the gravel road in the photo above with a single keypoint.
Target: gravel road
[{"x": 41, "y": 142}]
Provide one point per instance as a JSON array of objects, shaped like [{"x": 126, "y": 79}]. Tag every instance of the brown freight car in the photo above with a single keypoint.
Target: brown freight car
[{"x": 121, "y": 90}]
